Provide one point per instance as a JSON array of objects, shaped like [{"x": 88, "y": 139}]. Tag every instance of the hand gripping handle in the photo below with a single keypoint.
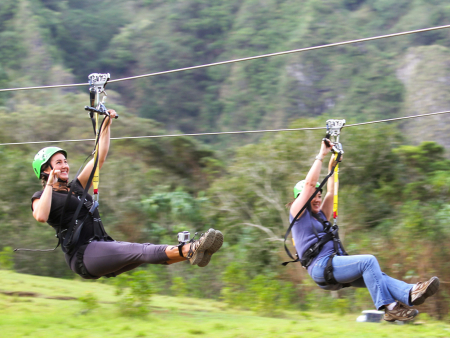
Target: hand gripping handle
[{"x": 99, "y": 111}]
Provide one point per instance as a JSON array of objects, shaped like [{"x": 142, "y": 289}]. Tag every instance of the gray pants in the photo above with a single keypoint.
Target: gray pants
[{"x": 113, "y": 258}]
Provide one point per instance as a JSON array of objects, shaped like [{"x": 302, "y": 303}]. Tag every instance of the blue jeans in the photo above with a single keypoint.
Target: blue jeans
[{"x": 364, "y": 271}]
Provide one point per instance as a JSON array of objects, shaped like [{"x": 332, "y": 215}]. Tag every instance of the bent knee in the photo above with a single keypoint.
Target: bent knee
[{"x": 370, "y": 259}]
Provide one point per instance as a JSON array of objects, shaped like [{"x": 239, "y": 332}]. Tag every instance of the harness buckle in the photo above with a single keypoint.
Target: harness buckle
[{"x": 94, "y": 206}]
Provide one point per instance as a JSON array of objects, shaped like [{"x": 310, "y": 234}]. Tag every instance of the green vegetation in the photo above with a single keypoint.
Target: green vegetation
[
  {"x": 46, "y": 42},
  {"x": 136, "y": 290},
  {"x": 394, "y": 192},
  {"x": 40, "y": 315}
]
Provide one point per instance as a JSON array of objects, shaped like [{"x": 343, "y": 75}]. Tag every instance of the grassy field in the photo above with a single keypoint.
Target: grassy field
[{"x": 51, "y": 308}]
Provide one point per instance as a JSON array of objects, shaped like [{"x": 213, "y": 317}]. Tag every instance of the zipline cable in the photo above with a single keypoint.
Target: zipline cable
[
  {"x": 242, "y": 59},
  {"x": 234, "y": 132}
]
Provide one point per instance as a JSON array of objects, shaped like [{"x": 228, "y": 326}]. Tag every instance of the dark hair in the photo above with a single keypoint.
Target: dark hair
[
  {"x": 44, "y": 178},
  {"x": 288, "y": 206}
]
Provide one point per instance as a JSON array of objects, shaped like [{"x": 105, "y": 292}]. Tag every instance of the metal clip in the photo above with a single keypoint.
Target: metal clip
[
  {"x": 334, "y": 128},
  {"x": 97, "y": 82},
  {"x": 93, "y": 207}
]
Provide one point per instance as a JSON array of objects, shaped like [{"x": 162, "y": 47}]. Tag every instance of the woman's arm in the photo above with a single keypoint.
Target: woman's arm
[
  {"x": 311, "y": 179},
  {"x": 103, "y": 148},
  {"x": 41, "y": 206}
]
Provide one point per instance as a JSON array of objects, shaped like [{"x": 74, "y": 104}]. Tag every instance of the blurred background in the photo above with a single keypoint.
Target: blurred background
[{"x": 395, "y": 183}]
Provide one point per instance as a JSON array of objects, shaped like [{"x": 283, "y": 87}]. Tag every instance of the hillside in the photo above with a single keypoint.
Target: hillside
[
  {"x": 41, "y": 45},
  {"x": 395, "y": 186},
  {"x": 45, "y": 307}
]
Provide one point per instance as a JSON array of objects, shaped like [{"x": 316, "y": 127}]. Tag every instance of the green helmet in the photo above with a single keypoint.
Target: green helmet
[
  {"x": 300, "y": 186},
  {"x": 43, "y": 156}
]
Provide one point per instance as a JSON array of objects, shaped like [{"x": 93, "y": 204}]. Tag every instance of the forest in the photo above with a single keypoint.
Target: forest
[{"x": 394, "y": 179}]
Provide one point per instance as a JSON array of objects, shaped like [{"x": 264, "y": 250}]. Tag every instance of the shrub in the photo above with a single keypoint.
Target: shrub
[
  {"x": 136, "y": 291},
  {"x": 89, "y": 302},
  {"x": 6, "y": 258}
]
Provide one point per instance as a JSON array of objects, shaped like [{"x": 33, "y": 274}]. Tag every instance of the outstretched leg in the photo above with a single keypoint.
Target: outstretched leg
[
  {"x": 383, "y": 289},
  {"x": 364, "y": 271},
  {"x": 113, "y": 258},
  {"x": 387, "y": 292}
]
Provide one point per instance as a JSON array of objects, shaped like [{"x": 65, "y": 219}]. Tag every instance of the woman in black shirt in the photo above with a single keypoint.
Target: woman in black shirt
[{"x": 94, "y": 254}]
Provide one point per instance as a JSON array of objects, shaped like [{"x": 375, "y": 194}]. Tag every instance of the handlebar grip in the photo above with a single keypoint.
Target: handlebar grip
[
  {"x": 95, "y": 110},
  {"x": 327, "y": 141}
]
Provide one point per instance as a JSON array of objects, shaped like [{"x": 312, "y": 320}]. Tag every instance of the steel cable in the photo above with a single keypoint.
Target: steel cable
[
  {"x": 241, "y": 59},
  {"x": 234, "y": 132}
]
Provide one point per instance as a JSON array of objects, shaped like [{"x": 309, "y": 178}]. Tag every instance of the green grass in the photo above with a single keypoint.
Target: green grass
[{"x": 169, "y": 316}]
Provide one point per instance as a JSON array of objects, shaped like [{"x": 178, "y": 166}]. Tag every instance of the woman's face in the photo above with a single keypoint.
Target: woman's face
[
  {"x": 60, "y": 165},
  {"x": 316, "y": 203}
]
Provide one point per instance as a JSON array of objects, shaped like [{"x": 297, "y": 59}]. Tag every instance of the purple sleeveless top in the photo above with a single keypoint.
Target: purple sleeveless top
[{"x": 304, "y": 236}]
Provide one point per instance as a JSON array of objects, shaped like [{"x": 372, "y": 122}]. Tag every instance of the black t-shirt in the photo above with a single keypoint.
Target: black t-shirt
[{"x": 58, "y": 202}]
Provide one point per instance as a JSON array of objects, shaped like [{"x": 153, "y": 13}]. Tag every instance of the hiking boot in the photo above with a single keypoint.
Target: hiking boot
[
  {"x": 400, "y": 312},
  {"x": 215, "y": 246},
  {"x": 197, "y": 248},
  {"x": 423, "y": 290}
]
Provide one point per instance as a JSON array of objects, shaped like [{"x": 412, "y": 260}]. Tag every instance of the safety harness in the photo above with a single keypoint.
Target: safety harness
[
  {"x": 68, "y": 236},
  {"x": 331, "y": 231},
  {"x": 97, "y": 87}
]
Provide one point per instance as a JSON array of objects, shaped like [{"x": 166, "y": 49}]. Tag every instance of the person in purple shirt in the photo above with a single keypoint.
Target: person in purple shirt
[{"x": 394, "y": 296}]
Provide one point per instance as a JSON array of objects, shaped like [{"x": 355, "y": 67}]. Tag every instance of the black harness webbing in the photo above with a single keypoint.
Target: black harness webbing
[
  {"x": 74, "y": 230},
  {"x": 67, "y": 236},
  {"x": 80, "y": 268},
  {"x": 331, "y": 234},
  {"x": 68, "y": 241},
  {"x": 301, "y": 211}
]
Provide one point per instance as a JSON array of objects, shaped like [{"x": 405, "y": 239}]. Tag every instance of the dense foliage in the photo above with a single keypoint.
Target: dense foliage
[
  {"x": 46, "y": 42},
  {"x": 395, "y": 190}
]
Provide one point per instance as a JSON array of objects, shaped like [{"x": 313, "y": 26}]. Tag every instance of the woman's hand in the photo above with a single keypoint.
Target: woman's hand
[
  {"x": 103, "y": 148},
  {"x": 326, "y": 147},
  {"x": 333, "y": 162},
  {"x": 41, "y": 206},
  {"x": 112, "y": 113},
  {"x": 53, "y": 177}
]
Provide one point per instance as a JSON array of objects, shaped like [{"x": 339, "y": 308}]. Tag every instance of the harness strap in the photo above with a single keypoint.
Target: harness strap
[
  {"x": 97, "y": 82},
  {"x": 312, "y": 252},
  {"x": 71, "y": 238},
  {"x": 99, "y": 231},
  {"x": 337, "y": 244},
  {"x": 328, "y": 272},
  {"x": 59, "y": 230},
  {"x": 338, "y": 157},
  {"x": 180, "y": 249},
  {"x": 80, "y": 268},
  {"x": 329, "y": 276}
]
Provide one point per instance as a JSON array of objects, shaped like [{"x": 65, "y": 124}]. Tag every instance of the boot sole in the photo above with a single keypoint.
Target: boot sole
[
  {"x": 403, "y": 320},
  {"x": 430, "y": 291},
  {"x": 206, "y": 244},
  {"x": 217, "y": 244}
]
